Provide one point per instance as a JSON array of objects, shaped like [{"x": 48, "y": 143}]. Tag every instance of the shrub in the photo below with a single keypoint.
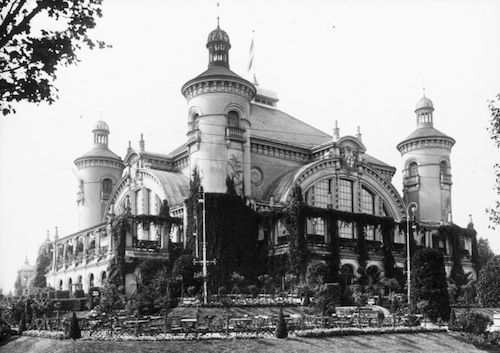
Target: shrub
[
  {"x": 472, "y": 322},
  {"x": 79, "y": 293},
  {"x": 22, "y": 325},
  {"x": 488, "y": 283},
  {"x": 62, "y": 294},
  {"x": 74, "y": 329},
  {"x": 281, "y": 329},
  {"x": 452, "y": 323},
  {"x": 428, "y": 284}
]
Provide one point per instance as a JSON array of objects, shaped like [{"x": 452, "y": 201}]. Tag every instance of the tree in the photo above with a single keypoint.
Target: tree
[
  {"x": 281, "y": 329},
  {"x": 488, "y": 283},
  {"x": 30, "y": 55},
  {"x": 494, "y": 129},
  {"x": 428, "y": 284},
  {"x": 484, "y": 251}
]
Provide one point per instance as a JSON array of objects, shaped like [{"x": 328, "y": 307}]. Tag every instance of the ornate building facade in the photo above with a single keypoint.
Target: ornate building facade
[{"x": 236, "y": 133}]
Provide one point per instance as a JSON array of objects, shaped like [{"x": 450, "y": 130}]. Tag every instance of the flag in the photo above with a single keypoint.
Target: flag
[{"x": 251, "y": 56}]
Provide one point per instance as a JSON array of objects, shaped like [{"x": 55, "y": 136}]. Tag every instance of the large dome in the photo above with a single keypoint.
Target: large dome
[
  {"x": 218, "y": 35},
  {"x": 100, "y": 125},
  {"x": 424, "y": 102}
]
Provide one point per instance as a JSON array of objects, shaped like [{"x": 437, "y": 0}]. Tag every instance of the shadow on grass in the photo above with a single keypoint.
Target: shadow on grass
[{"x": 8, "y": 340}]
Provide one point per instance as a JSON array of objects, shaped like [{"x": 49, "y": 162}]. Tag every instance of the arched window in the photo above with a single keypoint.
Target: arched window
[
  {"x": 107, "y": 187},
  {"x": 413, "y": 169},
  {"x": 70, "y": 285},
  {"x": 79, "y": 282},
  {"x": 346, "y": 275},
  {"x": 61, "y": 285},
  {"x": 193, "y": 123},
  {"x": 233, "y": 119},
  {"x": 103, "y": 278},
  {"x": 443, "y": 168},
  {"x": 91, "y": 280}
]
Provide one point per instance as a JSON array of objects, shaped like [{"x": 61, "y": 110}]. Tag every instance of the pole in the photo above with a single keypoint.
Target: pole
[
  {"x": 414, "y": 207},
  {"x": 205, "y": 286}
]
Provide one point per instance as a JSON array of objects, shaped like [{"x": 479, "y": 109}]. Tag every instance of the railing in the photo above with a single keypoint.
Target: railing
[
  {"x": 235, "y": 133},
  {"x": 412, "y": 180},
  {"x": 148, "y": 245}
]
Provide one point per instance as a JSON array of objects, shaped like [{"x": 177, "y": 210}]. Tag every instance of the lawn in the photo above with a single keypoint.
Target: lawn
[{"x": 388, "y": 343}]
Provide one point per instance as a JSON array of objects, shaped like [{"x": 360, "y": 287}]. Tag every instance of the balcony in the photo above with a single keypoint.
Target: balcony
[
  {"x": 445, "y": 179},
  {"x": 194, "y": 136},
  {"x": 235, "y": 133},
  {"x": 148, "y": 245},
  {"x": 413, "y": 180}
]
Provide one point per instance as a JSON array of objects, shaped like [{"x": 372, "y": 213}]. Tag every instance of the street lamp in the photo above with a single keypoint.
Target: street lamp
[{"x": 413, "y": 207}]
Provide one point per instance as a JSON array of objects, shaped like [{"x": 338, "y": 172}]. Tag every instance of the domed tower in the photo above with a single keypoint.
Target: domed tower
[
  {"x": 426, "y": 175},
  {"x": 218, "y": 121},
  {"x": 99, "y": 170}
]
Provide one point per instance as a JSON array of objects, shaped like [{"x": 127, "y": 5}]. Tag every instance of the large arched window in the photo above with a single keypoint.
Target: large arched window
[
  {"x": 346, "y": 203},
  {"x": 70, "y": 285},
  {"x": 91, "y": 280},
  {"x": 368, "y": 206},
  {"x": 103, "y": 278}
]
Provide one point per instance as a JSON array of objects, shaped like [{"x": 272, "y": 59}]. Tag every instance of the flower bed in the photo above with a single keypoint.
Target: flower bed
[
  {"x": 353, "y": 331},
  {"x": 106, "y": 335}
]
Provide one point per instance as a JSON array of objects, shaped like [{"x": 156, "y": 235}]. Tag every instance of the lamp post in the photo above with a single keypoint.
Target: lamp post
[
  {"x": 413, "y": 206},
  {"x": 204, "y": 260}
]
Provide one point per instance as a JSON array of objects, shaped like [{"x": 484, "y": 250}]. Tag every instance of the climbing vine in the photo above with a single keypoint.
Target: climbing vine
[{"x": 294, "y": 221}]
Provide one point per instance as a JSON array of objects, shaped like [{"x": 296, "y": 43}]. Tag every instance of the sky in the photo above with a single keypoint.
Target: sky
[{"x": 361, "y": 63}]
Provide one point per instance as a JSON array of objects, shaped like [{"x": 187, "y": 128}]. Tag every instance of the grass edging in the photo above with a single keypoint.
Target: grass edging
[{"x": 311, "y": 333}]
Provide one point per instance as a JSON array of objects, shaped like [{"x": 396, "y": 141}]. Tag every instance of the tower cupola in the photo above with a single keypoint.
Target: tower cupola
[
  {"x": 101, "y": 132},
  {"x": 218, "y": 46},
  {"x": 424, "y": 111}
]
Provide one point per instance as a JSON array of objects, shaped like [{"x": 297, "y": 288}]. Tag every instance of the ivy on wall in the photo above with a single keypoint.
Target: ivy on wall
[
  {"x": 120, "y": 225},
  {"x": 293, "y": 218},
  {"x": 232, "y": 233}
]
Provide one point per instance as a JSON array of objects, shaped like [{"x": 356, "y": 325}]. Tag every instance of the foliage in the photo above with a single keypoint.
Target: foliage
[
  {"x": 30, "y": 56},
  {"x": 428, "y": 283},
  {"x": 317, "y": 273},
  {"x": 471, "y": 322},
  {"x": 18, "y": 289},
  {"x": 327, "y": 297},
  {"x": 194, "y": 225},
  {"x": 488, "y": 283},
  {"x": 232, "y": 239},
  {"x": 363, "y": 256},
  {"x": 294, "y": 221},
  {"x": 22, "y": 325},
  {"x": 43, "y": 262},
  {"x": 281, "y": 329},
  {"x": 74, "y": 329},
  {"x": 454, "y": 235},
  {"x": 5, "y": 330},
  {"x": 484, "y": 251},
  {"x": 333, "y": 258},
  {"x": 494, "y": 129}
]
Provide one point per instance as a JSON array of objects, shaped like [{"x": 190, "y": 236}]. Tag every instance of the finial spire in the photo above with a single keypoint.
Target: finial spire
[
  {"x": 336, "y": 132},
  {"x": 141, "y": 143},
  {"x": 358, "y": 135},
  {"x": 423, "y": 85},
  {"x": 218, "y": 15}
]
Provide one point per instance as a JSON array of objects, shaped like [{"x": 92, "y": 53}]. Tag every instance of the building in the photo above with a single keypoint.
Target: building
[{"x": 237, "y": 133}]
